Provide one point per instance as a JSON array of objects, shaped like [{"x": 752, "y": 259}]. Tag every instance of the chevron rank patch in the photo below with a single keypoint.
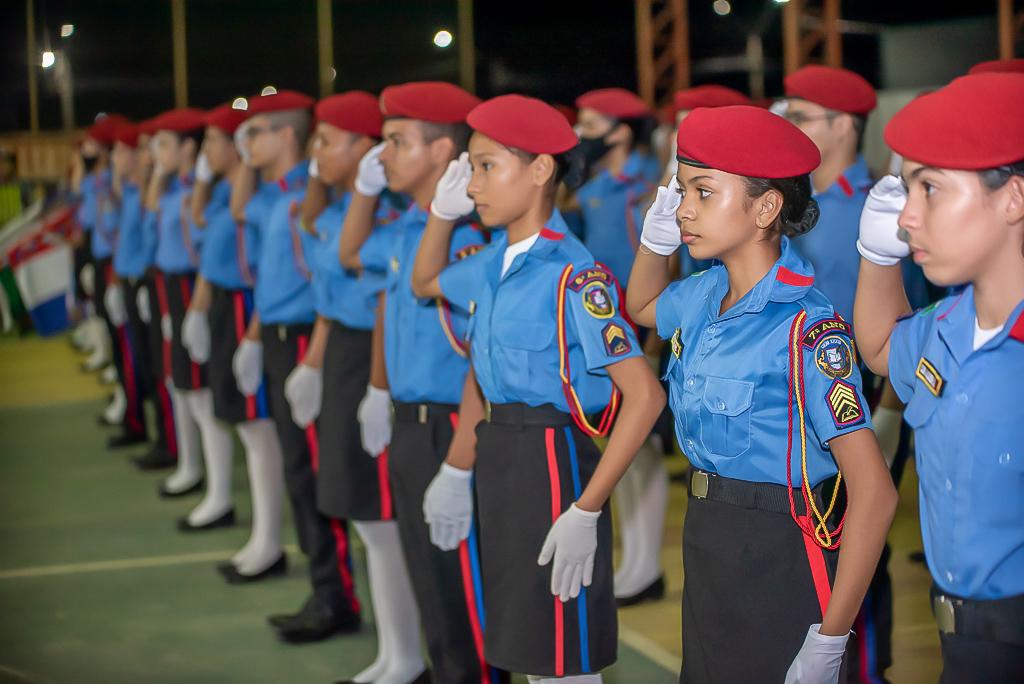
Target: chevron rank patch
[
  {"x": 927, "y": 374},
  {"x": 844, "y": 405},
  {"x": 616, "y": 343}
]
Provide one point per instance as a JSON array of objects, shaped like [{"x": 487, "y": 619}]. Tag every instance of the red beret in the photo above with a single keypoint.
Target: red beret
[
  {"x": 433, "y": 101},
  {"x": 747, "y": 141},
  {"x": 1015, "y": 66},
  {"x": 146, "y": 126},
  {"x": 281, "y": 101},
  {"x": 226, "y": 118},
  {"x": 838, "y": 89},
  {"x": 103, "y": 130},
  {"x": 975, "y": 122},
  {"x": 568, "y": 112},
  {"x": 708, "y": 96},
  {"x": 356, "y": 111},
  {"x": 126, "y": 133},
  {"x": 617, "y": 103},
  {"x": 183, "y": 120},
  {"x": 524, "y": 123}
]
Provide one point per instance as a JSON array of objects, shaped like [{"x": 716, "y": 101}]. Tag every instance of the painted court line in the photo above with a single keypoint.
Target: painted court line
[
  {"x": 654, "y": 652},
  {"x": 123, "y": 564}
]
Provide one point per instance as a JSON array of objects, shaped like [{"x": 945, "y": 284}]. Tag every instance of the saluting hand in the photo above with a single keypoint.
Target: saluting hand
[
  {"x": 370, "y": 178},
  {"x": 879, "y": 240},
  {"x": 661, "y": 230},
  {"x": 451, "y": 201},
  {"x": 572, "y": 542}
]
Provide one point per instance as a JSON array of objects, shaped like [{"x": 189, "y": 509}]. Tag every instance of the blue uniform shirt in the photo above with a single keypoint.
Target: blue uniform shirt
[
  {"x": 613, "y": 212},
  {"x": 831, "y": 246},
  {"x": 103, "y": 237},
  {"x": 349, "y": 297},
  {"x": 964, "y": 406},
  {"x": 87, "y": 214},
  {"x": 133, "y": 253},
  {"x": 728, "y": 373},
  {"x": 514, "y": 324},
  {"x": 177, "y": 240},
  {"x": 225, "y": 259},
  {"x": 283, "y": 294},
  {"x": 420, "y": 335}
]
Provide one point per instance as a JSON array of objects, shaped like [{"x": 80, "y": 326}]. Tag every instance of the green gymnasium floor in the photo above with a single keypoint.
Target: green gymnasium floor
[{"x": 96, "y": 584}]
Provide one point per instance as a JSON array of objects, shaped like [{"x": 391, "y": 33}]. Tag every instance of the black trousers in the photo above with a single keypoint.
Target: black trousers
[
  {"x": 82, "y": 256},
  {"x": 443, "y": 581},
  {"x": 123, "y": 351},
  {"x": 157, "y": 361},
  {"x": 987, "y": 645},
  {"x": 152, "y": 386},
  {"x": 324, "y": 540}
]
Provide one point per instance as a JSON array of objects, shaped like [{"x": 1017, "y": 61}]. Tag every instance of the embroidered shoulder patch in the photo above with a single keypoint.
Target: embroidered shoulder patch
[
  {"x": 819, "y": 329},
  {"x": 834, "y": 356},
  {"x": 468, "y": 250},
  {"x": 929, "y": 375},
  {"x": 844, "y": 405},
  {"x": 590, "y": 275},
  {"x": 616, "y": 342},
  {"x": 597, "y": 300}
]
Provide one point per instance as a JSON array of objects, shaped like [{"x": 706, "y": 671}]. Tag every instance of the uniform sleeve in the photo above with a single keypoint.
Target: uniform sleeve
[
  {"x": 376, "y": 251},
  {"x": 833, "y": 394},
  {"x": 593, "y": 308},
  {"x": 461, "y": 280},
  {"x": 905, "y": 345},
  {"x": 256, "y": 210},
  {"x": 673, "y": 305}
]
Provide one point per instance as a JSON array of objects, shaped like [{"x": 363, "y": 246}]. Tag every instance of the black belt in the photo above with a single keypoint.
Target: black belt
[
  {"x": 762, "y": 496},
  {"x": 522, "y": 415},
  {"x": 423, "y": 413},
  {"x": 285, "y": 332},
  {"x": 1000, "y": 620}
]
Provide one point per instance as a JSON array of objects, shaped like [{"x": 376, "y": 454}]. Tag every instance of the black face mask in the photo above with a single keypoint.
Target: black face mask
[
  {"x": 89, "y": 163},
  {"x": 592, "y": 150}
]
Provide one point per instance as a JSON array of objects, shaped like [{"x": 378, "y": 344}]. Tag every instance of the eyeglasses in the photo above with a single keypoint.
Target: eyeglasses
[
  {"x": 253, "y": 132},
  {"x": 799, "y": 118}
]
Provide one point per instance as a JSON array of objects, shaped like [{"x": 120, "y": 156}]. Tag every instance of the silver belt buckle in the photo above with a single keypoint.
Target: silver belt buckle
[
  {"x": 945, "y": 614},
  {"x": 282, "y": 333},
  {"x": 487, "y": 410},
  {"x": 421, "y": 413},
  {"x": 699, "y": 484}
]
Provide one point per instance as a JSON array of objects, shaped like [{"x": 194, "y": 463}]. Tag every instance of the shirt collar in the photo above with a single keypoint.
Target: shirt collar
[
  {"x": 633, "y": 169},
  {"x": 956, "y": 326},
  {"x": 548, "y": 238},
  {"x": 295, "y": 177},
  {"x": 788, "y": 280},
  {"x": 856, "y": 178}
]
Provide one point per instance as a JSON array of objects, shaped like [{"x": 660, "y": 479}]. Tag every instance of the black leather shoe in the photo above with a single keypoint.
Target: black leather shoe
[
  {"x": 166, "y": 493},
  {"x": 126, "y": 439},
  {"x": 156, "y": 458},
  {"x": 277, "y": 620},
  {"x": 316, "y": 622},
  {"x": 278, "y": 568},
  {"x": 653, "y": 592},
  {"x": 226, "y": 520}
]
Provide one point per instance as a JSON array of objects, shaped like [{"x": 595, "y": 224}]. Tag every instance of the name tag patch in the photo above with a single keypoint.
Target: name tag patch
[{"x": 927, "y": 373}]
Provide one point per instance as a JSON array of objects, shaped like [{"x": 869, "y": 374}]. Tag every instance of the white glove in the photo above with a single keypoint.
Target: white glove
[
  {"x": 241, "y": 143},
  {"x": 113, "y": 300},
  {"x": 304, "y": 390},
  {"x": 195, "y": 335},
  {"x": 450, "y": 199},
  {"x": 142, "y": 302},
  {"x": 314, "y": 168},
  {"x": 247, "y": 365},
  {"x": 448, "y": 506},
  {"x": 661, "y": 230},
  {"x": 370, "y": 178},
  {"x": 818, "y": 660},
  {"x": 88, "y": 276},
  {"x": 879, "y": 240},
  {"x": 204, "y": 174},
  {"x": 572, "y": 542},
  {"x": 166, "y": 328},
  {"x": 375, "y": 420}
]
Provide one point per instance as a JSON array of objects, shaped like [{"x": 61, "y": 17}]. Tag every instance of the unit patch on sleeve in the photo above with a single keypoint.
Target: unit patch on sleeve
[
  {"x": 844, "y": 405},
  {"x": 834, "y": 357},
  {"x": 616, "y": 343},
  {"x": 598, "y": 301}
]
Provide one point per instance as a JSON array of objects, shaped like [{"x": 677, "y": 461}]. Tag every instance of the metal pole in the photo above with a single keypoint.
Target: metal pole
[
  {"x": 833, "y": 38},
  {"x": 1007, "y": 29},
  {"x": 325, "y": 45},
  {"x": 791, "y": 12},
  {"x": 755, "y": 63},
  {"x": 180, "y": 53},
  {"x": 467, "y": 46},
  {"x": 644, "y": 52},
  {"x": 33, "y": 65}
]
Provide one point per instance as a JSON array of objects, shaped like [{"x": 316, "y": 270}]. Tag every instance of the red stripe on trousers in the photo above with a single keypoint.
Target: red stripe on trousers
[
  {"x": 161, "y": 301},
  {"x": 186, "y": 299},
  {"x": 166, "y": 408},
  {"x": 311, "y": 437},
  {"x": 239, "y": 300},
  {"x": 384, "y": 482},
  {"x": 341, "y": 548},
  {"x": 556, "y": 510},
  {"x": 132, "y": 417},
  {"x": 819, "y": 573}
]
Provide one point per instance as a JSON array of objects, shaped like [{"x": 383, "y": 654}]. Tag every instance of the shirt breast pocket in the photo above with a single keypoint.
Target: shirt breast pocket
[
  {"x": 725, "y": 416},
  {"x": 520, "y": 342}
]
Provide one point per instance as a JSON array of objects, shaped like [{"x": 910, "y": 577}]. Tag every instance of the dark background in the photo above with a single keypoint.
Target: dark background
[{"x": 555, "y": 49}]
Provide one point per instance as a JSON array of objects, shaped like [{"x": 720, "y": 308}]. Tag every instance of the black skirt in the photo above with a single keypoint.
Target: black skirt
[
  {"x": 177, "y": 292},
  {"x": 229, "y": 316},
  {"x": 532, "y": 464}
]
